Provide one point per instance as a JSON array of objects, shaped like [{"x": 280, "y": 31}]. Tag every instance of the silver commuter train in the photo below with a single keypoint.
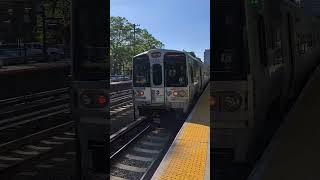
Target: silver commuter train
[
  {"x": 264, "y": 53},
  {"x": 166, "y": 80}
]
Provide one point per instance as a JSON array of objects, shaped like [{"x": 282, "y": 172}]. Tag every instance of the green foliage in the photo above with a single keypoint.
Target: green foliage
[
  {"x": 124, "y": 44},
  {"x": 59, "y": 9}
]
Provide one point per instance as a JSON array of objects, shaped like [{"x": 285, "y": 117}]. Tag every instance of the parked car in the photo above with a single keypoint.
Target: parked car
[
  {"x": 55, "y": 53},
  {"x": 113, "y": 78},
  {"x": 127, "y": 78},
  {"x": 33, "y": 49}
]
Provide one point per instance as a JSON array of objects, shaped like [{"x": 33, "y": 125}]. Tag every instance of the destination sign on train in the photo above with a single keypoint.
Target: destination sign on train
[{"x": 155, "y": 54}]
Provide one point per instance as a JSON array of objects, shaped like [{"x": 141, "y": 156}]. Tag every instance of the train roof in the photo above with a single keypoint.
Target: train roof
[
  {"x": 161, "y": 50},
  {"x": 166, "y": 51}
]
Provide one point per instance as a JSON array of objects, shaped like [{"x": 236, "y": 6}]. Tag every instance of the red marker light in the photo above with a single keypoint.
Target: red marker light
[
  {"x": 212, "y": 101},
  {"x": 102, "y": 99}
]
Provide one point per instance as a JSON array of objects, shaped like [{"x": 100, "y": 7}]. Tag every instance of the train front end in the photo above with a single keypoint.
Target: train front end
[{"x": 160, "y": 82}]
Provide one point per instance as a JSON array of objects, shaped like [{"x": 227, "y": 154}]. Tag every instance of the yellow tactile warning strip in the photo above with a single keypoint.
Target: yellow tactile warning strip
[{"x": 187, "y": 156}]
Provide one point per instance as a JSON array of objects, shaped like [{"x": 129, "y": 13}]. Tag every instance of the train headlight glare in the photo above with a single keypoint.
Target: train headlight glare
[
  {"x": 140, "y": 93},
  {"x": 175, "y": 93},
  {"x": 212, "y": 101},
  {"x": 232, "y": 102},
  {"x": 181, "y": 93}
]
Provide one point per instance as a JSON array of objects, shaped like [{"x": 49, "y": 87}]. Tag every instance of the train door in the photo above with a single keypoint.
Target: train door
[
  {"x": 290, "y": 53},
  {"x": 176, "y": 81},
  {"x": 141, "y": 79},
  {"x": 201, "y": 77},
  {"x": 196, "y": 77},
  {"x": 199, "y": 85},
  {"x": 157, "y": 79},
  {"x": 265, "y": 40},
  {"x": 191, "y": 78}
]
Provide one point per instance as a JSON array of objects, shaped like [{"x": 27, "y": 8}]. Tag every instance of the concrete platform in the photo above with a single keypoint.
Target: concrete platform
[
  {"x": 189, "y": 155},
  {"x": 294, "y": 151}
]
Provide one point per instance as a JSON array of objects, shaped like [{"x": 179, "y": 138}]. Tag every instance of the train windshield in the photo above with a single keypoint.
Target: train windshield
[
  {"x": 157, "y": 74},
  {"x": 141, "y": 71},
  {"x": 175, "y": 70},
  {"x": 230, "y": 61}
]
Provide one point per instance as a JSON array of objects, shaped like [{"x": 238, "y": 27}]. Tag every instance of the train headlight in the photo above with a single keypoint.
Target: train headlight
[
  {"x": 175, "y": 93},
  {"x": 232, "y": 102},
  {"x": 140, "y": 93},
  {"x": 181, "y": 93}
]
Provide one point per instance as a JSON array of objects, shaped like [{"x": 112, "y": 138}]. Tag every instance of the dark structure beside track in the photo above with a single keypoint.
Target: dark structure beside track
[
  {"x": 118, "y": 86},
  {"x": 33, "y": 78}
]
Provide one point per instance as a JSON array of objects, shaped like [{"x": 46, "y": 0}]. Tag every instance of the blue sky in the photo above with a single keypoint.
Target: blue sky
[{"x": 179, "y": 24}]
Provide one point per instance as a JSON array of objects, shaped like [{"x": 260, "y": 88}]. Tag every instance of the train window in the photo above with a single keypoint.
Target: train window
[
  {"x": 141, "y": 71},
  {"x": 191, "y": 72},
  {"x": 175, "y": 70},
  {"x": 302, "y": 48},
  {"x": 157, "y": 74},
  {"x": 262, "y": 42},
  {"x": 196, "y": 71},
  {"x": 277, "y": 39},
  {"x": 229, "y": 20}
]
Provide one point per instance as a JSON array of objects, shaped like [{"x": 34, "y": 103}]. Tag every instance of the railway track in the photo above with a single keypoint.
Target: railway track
[
  {"x": 137, "y": 149},
  {"x": 140, "y": 136},
  {"x": 19, "y": 152},
  {"x": 19, "y": 114},
  {"x": 120, "y": 98},
  {"x": 21, "y": 110},
  {"x": 24, "y": 115}
]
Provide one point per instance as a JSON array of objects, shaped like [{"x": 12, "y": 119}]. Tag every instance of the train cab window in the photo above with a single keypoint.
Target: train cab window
[
  {"x": 157, "y": 74},
  {"x": 141, "y": 71},
  {"x": 262, "y": 41},
  {"x": 196, "y": 73},
  {"x": 302, "y": 48},
  {"x": 277, "y": 46},
  {"x": 191, "y": 73},
  {"x": 277, "y": 39},
  {"x": 175, "y": 70}
]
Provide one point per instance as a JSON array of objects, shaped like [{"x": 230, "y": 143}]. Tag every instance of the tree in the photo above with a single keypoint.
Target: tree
[
  {"x": 124, "y": 44},
  {"x": 59, "y": 9}
]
